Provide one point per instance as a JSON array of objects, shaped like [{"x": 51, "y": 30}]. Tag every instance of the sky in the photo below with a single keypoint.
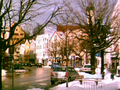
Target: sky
[{"x": 45, "y": 13}]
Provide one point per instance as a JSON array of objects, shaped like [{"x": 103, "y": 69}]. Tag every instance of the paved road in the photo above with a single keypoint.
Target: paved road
[{"x": 36, "y": 77}]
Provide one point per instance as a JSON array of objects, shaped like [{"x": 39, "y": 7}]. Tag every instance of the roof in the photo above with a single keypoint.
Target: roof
[
  {"x": 59, "y": 33},
  {"x": 63, "y": 28},
  {"x": 16, "y": 27}
]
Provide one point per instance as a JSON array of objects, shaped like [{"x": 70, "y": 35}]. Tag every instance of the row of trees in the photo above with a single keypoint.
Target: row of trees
[
  {"x": 98, "y": 19},
  {"x": 22, "y": 12}
]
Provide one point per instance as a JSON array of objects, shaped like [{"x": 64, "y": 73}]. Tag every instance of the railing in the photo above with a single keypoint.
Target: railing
[{"x": 90, "y": 83}]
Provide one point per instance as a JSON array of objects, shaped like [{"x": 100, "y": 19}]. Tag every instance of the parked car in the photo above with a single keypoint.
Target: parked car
[
  {"x": 26, "y": 64},
  {"x": 59, "y": 74},
  {"x": 39, "y": 64},
  {"x": 21, "y": 70},
  {"x": 54, "y": 65},
  {"x": 18, "y": 66},
  {"x": 86, "y": 68},
  {"x": 31, "y": 64}
]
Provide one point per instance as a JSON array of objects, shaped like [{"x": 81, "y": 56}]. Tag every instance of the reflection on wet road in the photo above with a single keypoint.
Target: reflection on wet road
[{"x": 34, "y": 77}]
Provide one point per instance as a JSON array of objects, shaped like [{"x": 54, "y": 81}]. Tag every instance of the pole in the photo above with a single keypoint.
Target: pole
[
  {"x": 66, "y": 45},
  {"x": 12, "y": 57},
  {"x": 12, "y": 73}
]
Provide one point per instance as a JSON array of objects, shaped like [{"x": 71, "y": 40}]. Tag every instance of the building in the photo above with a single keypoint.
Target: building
[
  {"x": 64, "y": 43},
  {"x": 27, "y": 52},
  {"x": 32, "y": 51},
  {"x": 56, "y": 48},
  {"x": 42, "y": 43},
  {"x": 22, "y": 50},
  {"x": 19, "y": 34}
]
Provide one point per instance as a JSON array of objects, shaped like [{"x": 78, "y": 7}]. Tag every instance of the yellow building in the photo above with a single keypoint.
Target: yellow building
[
  {"x": 19, "y": 34},
  {"x": 27, "y": 52}
]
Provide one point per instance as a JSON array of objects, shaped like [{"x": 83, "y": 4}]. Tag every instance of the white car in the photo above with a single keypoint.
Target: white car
[
  {"x": 86, "y": 68},
  {"x": 21, "y": 70},
  {"x": 59, "y": 74}
]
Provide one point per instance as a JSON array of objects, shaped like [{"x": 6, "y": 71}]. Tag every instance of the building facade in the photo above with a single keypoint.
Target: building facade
[{"x": 42, "y": 43}]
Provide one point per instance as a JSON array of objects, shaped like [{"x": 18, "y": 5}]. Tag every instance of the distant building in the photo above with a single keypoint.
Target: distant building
[
  {"x": 66, "y": 35},
  {"x": 42, "y": 42},
  {"x": 32, "y": 51},
  {"x": 27, "y": 52},
  {"x": 57, "y": 43},
  {"x": 22, "y": 50},
  {"x": 19, "y": 33}
]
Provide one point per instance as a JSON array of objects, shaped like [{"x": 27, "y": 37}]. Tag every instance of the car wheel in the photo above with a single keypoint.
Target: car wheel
[{"x": 69, "y": 79}]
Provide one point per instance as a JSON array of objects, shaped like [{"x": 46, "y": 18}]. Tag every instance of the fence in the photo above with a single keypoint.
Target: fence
[{"x": 97, "y": 84}]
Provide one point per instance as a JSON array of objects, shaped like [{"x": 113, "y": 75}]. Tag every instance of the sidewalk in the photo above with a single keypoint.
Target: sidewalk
[
  {"x": 104, "y": 84},
  {"x": 89, "y": 85}
]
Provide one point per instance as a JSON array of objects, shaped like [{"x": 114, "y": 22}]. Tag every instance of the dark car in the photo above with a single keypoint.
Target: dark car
[
  {"x": 59, "y": 74},
  {"x": 18, "y": 66}
]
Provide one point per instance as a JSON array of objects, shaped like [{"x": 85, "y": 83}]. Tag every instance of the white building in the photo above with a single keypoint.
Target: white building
[
  {"x": 22, "y": 50},
  {"x": 42, "y": 42}
]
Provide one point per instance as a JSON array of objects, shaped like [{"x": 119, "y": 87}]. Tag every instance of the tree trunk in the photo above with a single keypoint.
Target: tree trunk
[
  {"x": 102, "y": 62},
  {"x": 0, "y": 61},
  {"x": 0, "y": 71},
  {"x": 93, "y": 61},
  {"x": 0, "y": 54}
]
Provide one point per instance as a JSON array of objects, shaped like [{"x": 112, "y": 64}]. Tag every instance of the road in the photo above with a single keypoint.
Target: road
[{"x": 36, "y": 77}]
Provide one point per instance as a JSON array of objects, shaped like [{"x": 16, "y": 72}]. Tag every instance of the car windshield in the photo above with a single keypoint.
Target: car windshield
[
  {"x": 59, "y": 69},
  {"x": 56, "y": 63},
  {"x": 87, "y": 66},
  {"x": 63, "y": 69}
]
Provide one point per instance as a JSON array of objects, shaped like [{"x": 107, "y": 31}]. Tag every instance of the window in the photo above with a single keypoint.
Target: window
[
  {"x": 21, "y": 34},
  {"x": 16, "y": 34}
]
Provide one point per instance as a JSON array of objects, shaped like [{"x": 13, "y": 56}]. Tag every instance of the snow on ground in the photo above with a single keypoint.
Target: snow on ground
[
  {"x": 105, "y": 84},
  {"x": 46, "y": 66}
]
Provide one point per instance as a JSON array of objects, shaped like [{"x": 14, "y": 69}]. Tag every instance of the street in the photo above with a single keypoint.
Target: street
[{"x": 35, "y": 77}]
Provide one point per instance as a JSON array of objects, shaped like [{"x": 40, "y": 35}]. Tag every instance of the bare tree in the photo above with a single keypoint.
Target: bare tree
[
  {"x": 96, "y": 19},
  {"x": 20, "y": 12},
  {"x": 99, "y": 20}
]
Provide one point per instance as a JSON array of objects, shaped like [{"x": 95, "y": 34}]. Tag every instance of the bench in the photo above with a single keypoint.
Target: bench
[{"x": 81, "y": 79}]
